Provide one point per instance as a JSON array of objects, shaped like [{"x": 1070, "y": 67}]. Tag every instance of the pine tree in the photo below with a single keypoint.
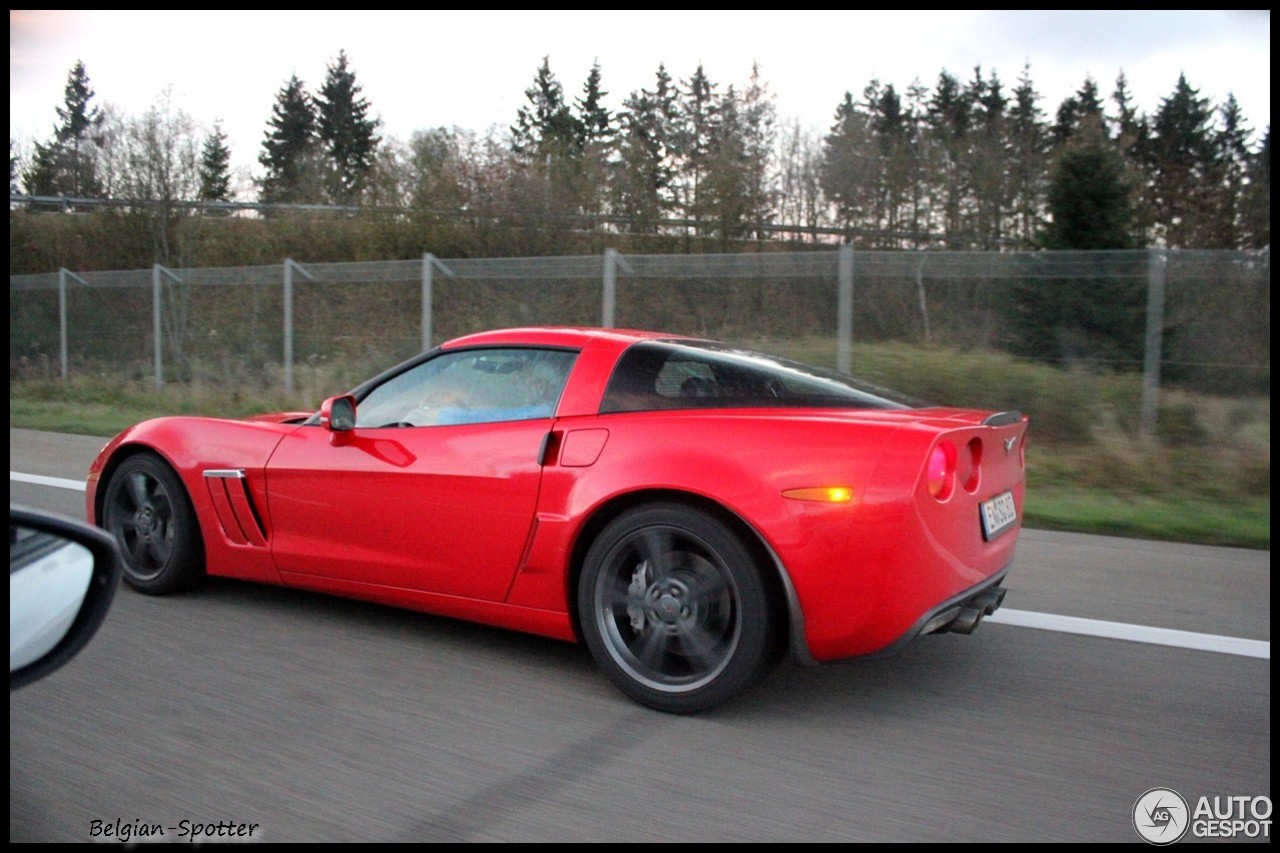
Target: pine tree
[
  {"x": 893, "y": 126},
  {"x": 1128, "y": 126},
  {"x": 595, "y": 128},
  {"x": 595, "y": 122},
  {"x": 1028, "y": 159},
  {"x": 643, "y": 175},
  {"x": 1084, "y": 106},
  {"x": 666, "y": 100},
  {"x": 726, "y": 190},
  {"x": 545, "y": 126},
  {"x": 1085, "y": 318},
  {"x": 289, "y": 148},
  {"x": 77, "y": 117},
  {"x": 845, "y": 173},
  {"x": 874, "y": 161},
  {"x": 950, "y": 121},
  {"x": 42, "y": 176},
  {"x": 1089, "y": 196},
  {"x": 1181, "y": 162},
  {"x": 919, "y": 188},
  {"x": 547, "y": 141},
  {"x": 698, "y": 117},
  {"x": 65, "y": 166},
  {"x": 1231, "y": 164},
  {"x": 346, "y": 133},
  {"x": 215, "y": 161},
  {"x": 1132, "y": 136},
  {"x": 988, "y": 160},
  {"x": 1257, "y": 197},
  {"x": 759, "y": 116}
]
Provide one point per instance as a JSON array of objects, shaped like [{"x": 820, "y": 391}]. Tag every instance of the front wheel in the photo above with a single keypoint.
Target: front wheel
[
  {"x": 147, "y": 510},
  {"x": 674, "y": 609}
]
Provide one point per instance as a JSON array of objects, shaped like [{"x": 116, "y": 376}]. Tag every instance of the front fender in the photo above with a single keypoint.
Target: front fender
[{"x": 191, "y": 446}]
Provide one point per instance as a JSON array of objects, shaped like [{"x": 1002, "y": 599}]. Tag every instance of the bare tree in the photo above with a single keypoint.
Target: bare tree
[{"x": 800, "y": 197}]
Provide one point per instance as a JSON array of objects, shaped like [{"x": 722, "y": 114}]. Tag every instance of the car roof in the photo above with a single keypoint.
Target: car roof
[{"x": 565, "y": 336}]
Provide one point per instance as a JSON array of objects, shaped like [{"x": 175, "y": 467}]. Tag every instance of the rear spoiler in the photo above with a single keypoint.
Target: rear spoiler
[{"x": 1002, "y": 419}]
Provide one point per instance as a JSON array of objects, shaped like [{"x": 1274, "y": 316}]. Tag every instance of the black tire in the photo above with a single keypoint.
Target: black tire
[
  {"x": 147, "y": 509},
  {"x": 674, "y": 609}
]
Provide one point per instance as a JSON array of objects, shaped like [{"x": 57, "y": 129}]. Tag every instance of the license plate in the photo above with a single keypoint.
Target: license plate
[{"x": 998, "y": 515}]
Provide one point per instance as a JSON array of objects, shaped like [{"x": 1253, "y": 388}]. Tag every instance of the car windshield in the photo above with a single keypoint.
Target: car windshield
[{"x": 694, "y": 374}]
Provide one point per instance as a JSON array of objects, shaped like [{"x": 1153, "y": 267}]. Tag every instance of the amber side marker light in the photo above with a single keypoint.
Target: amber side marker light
[{"x": 825, "y": 494}]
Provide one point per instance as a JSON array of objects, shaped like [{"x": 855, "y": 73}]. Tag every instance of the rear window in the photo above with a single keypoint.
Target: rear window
[{"x": 695, "y": 375}]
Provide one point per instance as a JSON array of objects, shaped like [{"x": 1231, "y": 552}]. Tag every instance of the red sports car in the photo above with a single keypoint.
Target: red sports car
[{"x": 689, "y": 510}]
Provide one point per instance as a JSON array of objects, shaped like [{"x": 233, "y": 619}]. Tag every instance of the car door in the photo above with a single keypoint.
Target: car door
[{"x": 435, "y": 488}]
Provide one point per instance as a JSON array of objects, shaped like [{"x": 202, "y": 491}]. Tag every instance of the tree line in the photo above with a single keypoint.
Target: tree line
[{"x": 966, "y": 163}]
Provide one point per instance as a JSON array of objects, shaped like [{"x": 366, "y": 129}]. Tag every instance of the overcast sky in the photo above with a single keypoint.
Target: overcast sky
[{"x": 470, "y": 69}]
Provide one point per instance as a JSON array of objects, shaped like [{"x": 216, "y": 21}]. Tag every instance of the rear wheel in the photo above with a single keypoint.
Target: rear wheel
[
  {"x": 147, "y": 510},
  {"x": 674, "y": 609}
]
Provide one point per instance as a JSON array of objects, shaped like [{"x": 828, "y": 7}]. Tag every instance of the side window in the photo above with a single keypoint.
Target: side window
[
  {"x": 653, "y": 376},
  {"x": 663, "y": 375},
  {"x": 469, "y": 387},
  {"x": 685, "y": 378}
]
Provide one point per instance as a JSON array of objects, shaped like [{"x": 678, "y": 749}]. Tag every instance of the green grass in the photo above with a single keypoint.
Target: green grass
[
  {"x": 102, "y": 406},
  {"x": 1205, "y": 477},
  {"x": 1245, "y": 524}
]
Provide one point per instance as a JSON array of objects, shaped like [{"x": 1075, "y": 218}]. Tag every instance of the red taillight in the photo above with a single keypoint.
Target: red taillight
[{"x": 941, "y": 475}]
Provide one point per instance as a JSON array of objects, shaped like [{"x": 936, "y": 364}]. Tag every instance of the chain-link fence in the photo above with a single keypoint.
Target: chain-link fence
[{"x": 1199, "y": 319}]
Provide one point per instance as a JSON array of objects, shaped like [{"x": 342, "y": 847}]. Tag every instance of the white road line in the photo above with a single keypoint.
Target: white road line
[
  {"x": 55, "y": 482},
  {"x": 1135, "y": 633},
  {"x": 1019, "y": 618}
]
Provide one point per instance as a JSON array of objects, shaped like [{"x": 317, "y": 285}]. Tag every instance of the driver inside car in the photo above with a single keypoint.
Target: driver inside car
[{"x": 524, "y": 394}]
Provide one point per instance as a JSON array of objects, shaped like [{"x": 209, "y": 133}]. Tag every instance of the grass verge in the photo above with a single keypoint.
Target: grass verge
[{"x": 1246, "y": 524}]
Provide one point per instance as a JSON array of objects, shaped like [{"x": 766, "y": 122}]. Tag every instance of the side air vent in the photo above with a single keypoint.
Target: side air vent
[{"x": 229, "y": 490}]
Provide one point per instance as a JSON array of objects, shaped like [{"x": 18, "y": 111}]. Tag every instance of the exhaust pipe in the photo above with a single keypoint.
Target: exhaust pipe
[
  {"x": 970, "y": 614},
  {"x": 967, "y": 621},
  {"x": 989, "y": 599}
]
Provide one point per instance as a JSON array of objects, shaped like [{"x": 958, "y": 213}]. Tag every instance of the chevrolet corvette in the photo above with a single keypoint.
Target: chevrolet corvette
[{"x": 691, "y": 512}]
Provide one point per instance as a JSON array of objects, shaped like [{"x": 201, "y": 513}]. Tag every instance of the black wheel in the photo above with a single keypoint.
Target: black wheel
[
  {"x": 674, "y": 609},
  {"x": 147, "y": 510}
]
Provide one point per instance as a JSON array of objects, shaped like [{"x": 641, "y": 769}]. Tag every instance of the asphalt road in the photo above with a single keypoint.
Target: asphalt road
[{"x": 317, "y": 719}]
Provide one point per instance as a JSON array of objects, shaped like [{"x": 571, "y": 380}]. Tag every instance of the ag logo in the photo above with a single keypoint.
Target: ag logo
[{"x": 1161, "y": 816}]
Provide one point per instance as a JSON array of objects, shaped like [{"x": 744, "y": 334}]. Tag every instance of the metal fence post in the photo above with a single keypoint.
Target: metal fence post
[
  {"x": 158, "y": 370},
  {"x": 428, "y": 271},
  {"x": 844, "y": 310},
  {"x": 609, "y": 297},
  {"x": 1156, "y": 267},
  {"x": 62, "y": 320},
  {"x": 613, "y": 261},
  {"x": 289, "y": 266},
  {"x": 430, "y": 263},
  {"x": 288, "y": 325}
]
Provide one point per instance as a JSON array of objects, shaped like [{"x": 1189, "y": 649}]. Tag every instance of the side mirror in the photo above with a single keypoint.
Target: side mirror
[
  {"x": 62, "y": 577},
  {"x": 338, "y": 414}
]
